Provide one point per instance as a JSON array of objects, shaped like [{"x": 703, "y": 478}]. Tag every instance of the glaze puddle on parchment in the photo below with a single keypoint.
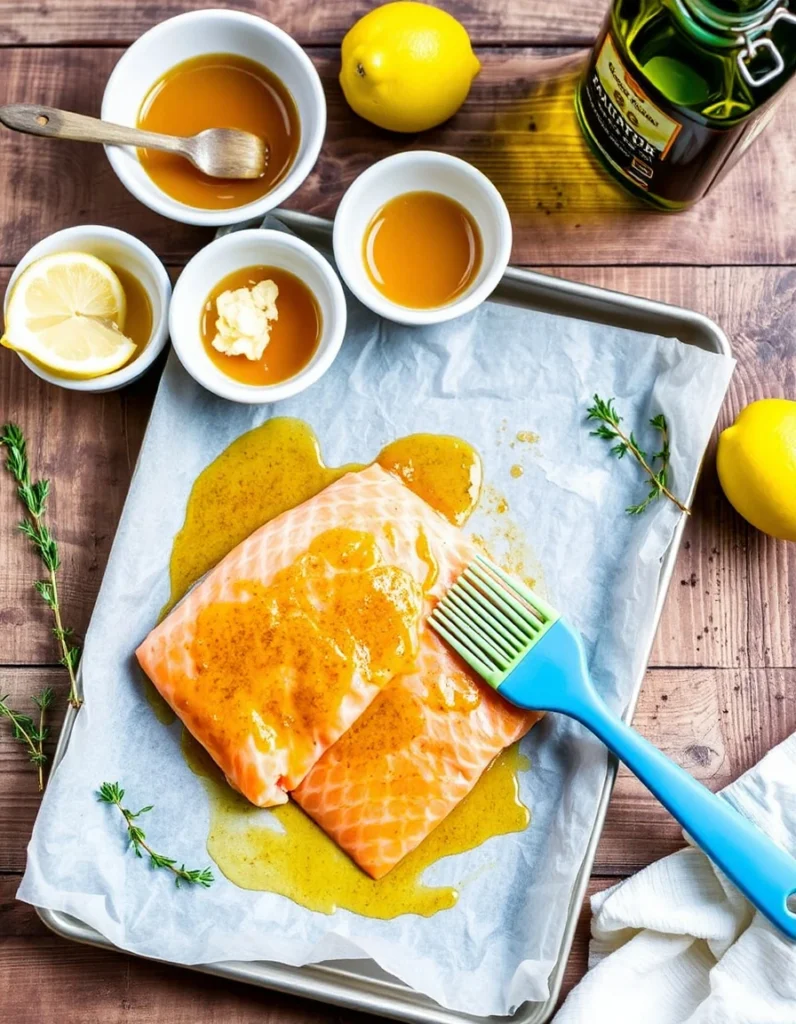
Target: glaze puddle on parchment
[
  {"x": 278, "y": 465},
  {"x": 283, "y": 851},
  {"x": 265, "y": 472}
]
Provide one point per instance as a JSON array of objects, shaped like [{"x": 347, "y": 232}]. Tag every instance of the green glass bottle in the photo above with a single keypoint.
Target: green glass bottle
[{"x": 676, "y": 90}]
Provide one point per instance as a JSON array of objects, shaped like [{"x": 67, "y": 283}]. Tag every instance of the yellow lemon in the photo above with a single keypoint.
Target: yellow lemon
[
  {"x": 757, "y": 466},
  {"x": 407, "y": 66},
  {"x": 67, "y": 312}
]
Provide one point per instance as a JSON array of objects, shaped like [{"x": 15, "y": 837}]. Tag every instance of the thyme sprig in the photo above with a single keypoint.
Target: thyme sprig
[
  {"x": 29, "y": 732},
  {"x": 112, "y": 793},
  {"x": 33, "y": 494},
  {"x": 604, "y": 412}
]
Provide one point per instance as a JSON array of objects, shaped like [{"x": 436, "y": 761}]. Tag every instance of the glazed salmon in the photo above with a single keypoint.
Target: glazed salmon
[
  {"x": 284, "y": 644},
  {"x": 419, "y": 748},
  {"x": 303, "y": 664}
]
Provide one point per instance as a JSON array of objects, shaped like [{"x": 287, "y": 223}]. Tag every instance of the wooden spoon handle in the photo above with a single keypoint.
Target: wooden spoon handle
[{"x": 61, "y": 124}]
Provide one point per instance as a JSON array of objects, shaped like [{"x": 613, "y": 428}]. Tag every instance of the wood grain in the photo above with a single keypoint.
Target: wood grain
[
  {"x": 121, "y": 21},
  {"x": 37, "y": 967},
  {"x": 19, "y": 796},
  {"x": 730, "y": 603},
  {"x": 716, "y": 723},
  {"x": 518, "y": 126}
]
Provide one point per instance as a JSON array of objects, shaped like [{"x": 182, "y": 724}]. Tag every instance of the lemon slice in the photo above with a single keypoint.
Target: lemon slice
[{"x": 67, "y": 312}]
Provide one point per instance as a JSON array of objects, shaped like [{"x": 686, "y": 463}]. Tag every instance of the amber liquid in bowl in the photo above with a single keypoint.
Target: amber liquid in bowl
[
  {"x": 422, "y": 250},
  {"x": 219, "y": 90},
  {"x": 294, "y": 335},
  {"x": 138, "y": 319}
]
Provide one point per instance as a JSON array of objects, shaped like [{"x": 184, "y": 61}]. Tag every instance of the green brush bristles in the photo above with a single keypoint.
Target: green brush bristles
[{"x": 491, "y": 620}]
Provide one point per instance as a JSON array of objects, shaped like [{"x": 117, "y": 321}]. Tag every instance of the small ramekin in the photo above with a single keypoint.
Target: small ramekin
[
  {"x": 122, "y": 250},
  {"x": 421, "y": 171},
  {"x": 190, "y": 35},
  {"x": 235, "y": 251}
]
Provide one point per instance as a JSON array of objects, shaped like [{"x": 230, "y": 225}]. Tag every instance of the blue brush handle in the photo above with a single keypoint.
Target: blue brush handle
[{"x": 554, "y": 677}]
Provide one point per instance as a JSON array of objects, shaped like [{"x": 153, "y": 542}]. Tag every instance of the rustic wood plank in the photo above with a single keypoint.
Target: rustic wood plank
[
  {"x": 716, "y": 723},
  {"x": 731, "y": 598},
  {"x": 518, "y": 126},
  {"x": 121, "y": 21},
  {"x": 730, "y": 604},
  {"x": 40, "y": 974},
  {"x": 43, "y": 975},
  {"x": 18, "y": 781}
]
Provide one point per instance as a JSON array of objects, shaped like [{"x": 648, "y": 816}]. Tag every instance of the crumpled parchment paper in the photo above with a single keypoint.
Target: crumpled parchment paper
[{"x": 494, "y": 373}]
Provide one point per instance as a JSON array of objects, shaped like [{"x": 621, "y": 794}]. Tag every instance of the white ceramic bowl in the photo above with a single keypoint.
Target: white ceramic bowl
[
  {"x": 123, "y": 250},
  {"x": 190, "y": 35},
  {"x": 421, "y": 171},
  {"x": 223, "y": 256}
]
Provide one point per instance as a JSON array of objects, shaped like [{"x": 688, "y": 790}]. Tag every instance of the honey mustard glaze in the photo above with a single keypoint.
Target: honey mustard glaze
[
  {"x": 336, "y": 612},
  {"x": 265, "y": 472},
  {"x": 285, "y": 852}
]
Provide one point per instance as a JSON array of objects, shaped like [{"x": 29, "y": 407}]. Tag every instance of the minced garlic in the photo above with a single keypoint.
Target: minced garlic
[{"x": 244, "y": 320}]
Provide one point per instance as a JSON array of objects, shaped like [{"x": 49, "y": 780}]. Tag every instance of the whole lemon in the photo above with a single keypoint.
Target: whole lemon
[
  {"x": 757, "y": 466},
  {"x": 407, "y": 66}
]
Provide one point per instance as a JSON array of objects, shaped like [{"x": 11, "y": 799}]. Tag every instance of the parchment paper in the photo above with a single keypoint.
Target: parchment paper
[{"x": 485, "y": 377}]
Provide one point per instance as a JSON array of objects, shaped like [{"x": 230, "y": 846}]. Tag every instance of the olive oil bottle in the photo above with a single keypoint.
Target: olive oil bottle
[{"x": 676, "y": 90}]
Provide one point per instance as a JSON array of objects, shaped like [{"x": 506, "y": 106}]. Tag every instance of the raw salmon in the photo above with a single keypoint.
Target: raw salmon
[
  {"x": 284, "y": 644},
  {"x": 302, "y": 663},
  {"x": 419, "y": 748}
]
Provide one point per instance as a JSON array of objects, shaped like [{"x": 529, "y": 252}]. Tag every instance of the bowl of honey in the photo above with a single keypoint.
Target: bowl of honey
[
  {"x": 257, "y": 316},
  {"x": 147, "y": 290},
  {"x": 216, "y": 69},
  {"x": 422, "y": 237}
]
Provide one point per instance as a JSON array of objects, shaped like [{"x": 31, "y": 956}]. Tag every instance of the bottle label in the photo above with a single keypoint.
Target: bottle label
[{"x": 636, "y": 134}]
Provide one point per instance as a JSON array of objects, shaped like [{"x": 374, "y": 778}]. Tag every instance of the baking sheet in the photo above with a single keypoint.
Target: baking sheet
[{"x": 497, "y": 372}]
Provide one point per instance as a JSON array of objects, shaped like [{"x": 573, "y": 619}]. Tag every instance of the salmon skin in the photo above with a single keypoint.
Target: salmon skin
[{"x": 303, "y": 664}]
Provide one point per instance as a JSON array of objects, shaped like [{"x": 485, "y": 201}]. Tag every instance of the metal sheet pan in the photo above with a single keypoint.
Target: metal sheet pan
[{"x": 360, "y": 984}]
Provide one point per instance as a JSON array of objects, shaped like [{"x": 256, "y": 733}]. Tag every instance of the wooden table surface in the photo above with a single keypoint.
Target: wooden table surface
[{"x": 720, "y": 688}]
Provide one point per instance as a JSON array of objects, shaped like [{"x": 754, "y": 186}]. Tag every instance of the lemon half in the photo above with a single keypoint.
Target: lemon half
[{"x": 67, "y": 313}]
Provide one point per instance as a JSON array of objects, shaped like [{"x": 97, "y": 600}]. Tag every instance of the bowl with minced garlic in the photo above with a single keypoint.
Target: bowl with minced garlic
[{"x": 257, "y": 316}]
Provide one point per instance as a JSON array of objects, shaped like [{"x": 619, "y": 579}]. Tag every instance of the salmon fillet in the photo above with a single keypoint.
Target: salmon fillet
[
  {"x": 220, "y": 657},
  {"x": 419, "y": 748},
  {"x": 303, "y": 664}
]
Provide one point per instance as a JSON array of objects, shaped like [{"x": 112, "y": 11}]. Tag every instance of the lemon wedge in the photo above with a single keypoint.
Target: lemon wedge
[{"x": 67, "y": 312}]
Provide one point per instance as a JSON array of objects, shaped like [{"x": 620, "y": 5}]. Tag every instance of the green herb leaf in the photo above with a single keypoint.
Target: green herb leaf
[
  {"x": 604, "y": 412},
  {"x": 112, "y": 793},
  {"x": 28, "y": 732},
  {"x": 34, "y": 494}
]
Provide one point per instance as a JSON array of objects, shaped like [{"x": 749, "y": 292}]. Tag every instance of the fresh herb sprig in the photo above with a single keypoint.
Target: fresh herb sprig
[
  {"x": 33, "y": 495},
  {"x": 112, "y": 793},
  {"x": 604, "y": 413},
  {"x": 29, "y": 732}
]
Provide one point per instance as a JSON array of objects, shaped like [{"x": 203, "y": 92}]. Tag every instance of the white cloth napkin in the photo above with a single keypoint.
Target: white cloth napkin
[{"x": 678, "y": 944}]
